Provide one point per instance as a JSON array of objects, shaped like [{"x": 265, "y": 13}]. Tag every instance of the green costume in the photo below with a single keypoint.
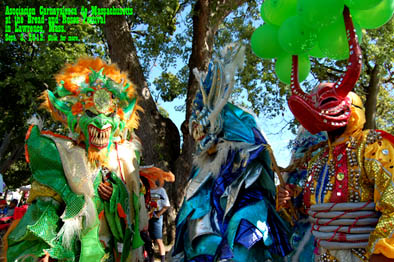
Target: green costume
[{"x": 68, "y": 219}]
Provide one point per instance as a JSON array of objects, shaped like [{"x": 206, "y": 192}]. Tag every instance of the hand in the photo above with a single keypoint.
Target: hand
[
  {"x": 380, "y": 258},
  {"x": 46, "y": 258},
  {"x": 156, "y": 214},
  {"x": 105, "y": 190},
  {"x": 284, "y": 195}
]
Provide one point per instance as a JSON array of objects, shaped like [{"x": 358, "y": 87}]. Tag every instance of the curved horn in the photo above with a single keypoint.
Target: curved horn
[
  {"x": 215, "y": 85},
  {"x": 198, "y": 76},
  {"x": 295, "y": 85},
  {"x": 346, "y": 83},
  {"x": 228, "y": 84}
]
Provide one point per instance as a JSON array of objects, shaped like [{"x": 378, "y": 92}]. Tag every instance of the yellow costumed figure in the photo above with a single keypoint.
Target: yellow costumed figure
[{"x": 349, "y": 187}]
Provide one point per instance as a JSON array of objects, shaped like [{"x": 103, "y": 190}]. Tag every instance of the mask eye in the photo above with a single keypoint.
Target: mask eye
[
  {"x": 90, "y": 113},
  {"x": 112, "y": 114},
  {"x": 113, "y": 96},
  {"x": 90, "y": 93}
]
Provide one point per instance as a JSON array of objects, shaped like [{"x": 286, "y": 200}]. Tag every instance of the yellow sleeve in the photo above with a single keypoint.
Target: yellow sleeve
[{"x": 379, "y": 166}]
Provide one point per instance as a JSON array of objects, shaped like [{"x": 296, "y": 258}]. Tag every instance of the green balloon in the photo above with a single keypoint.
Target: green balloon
[
  {"x": 294, "y": 37},
  {"x": 316, "y": 52},
  {"x": 264, "y": 41},
  {"x": 277, "y": 11},
  {"x": 333, "y": 41},
  {"x": 359, "y": 32},
  {"x": 319, "y": 13},
  {"x": 283, "y": 67},
  {"x": 362, "y": 4},
  {"x": 374, "y": 17}
]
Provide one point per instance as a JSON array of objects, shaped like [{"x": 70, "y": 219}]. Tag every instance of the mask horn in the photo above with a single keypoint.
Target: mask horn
[
  {"x": 295, "y": 85},
  {"x": 199, "y": 78},
  {"x": 353, "y": 69}
]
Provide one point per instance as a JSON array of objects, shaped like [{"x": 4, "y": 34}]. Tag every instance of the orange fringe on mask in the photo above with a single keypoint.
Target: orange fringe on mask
[
  {"x": 95, "y": 156},
  {"x": 83, "y": 68},
  {"x": 156, "y": 176},
  {"x": 46, "y": 104}
]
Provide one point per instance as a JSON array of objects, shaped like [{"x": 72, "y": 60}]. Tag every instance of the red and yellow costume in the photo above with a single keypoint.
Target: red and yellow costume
[
  {"x": 349, "y": 192},
  {"x": 355, "y": 168}
]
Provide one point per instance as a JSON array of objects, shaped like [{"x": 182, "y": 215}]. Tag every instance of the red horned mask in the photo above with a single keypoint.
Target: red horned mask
[{"x": 327, "y": 107}]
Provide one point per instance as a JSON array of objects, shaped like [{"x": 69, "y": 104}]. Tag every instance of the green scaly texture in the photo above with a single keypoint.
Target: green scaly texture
[
  {"x": 47, "y": 169},
  {"x": 36, "y": 232}
]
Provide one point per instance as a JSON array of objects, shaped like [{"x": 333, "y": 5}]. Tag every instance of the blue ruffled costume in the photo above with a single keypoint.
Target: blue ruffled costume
[{"x": 230, "y": 215}]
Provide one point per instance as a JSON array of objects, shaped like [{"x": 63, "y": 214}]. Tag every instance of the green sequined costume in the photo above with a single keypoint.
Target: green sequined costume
[{"x": 67, "y": 218}]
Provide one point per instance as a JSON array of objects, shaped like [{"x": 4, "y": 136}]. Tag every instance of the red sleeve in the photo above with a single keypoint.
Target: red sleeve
[{"x": 19, "y": 212}]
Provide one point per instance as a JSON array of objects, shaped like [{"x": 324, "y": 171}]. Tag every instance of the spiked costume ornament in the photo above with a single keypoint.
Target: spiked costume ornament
[
  {"x": 348, "y": 190},
  {"x": 228, "y": 213},
  {"x": 86, "y": 203}
]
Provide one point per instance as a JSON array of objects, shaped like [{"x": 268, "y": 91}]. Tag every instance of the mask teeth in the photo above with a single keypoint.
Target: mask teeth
[
  {"x": 346, "y": 83},
  {"x": 336, "y": 109},
  {"x": 99, "y": 138},
  {"x": 343, "y": 123},
  {"x": 295, "y": 85}
]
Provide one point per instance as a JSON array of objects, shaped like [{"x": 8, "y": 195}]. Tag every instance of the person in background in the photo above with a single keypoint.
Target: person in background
[
  {"x": 160, "y": 203},
  {"x": 153, "y": 178},
  {"x": 3, "y": 208},
  {"x": 11, "y": 207},
  {"x": 24, "y": 198}
]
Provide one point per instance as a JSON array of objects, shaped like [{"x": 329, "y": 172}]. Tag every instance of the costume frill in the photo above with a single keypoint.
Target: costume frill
[
  {"x": 302, "y": 240},
  {"x": 66, "y": 217},
  {"x": 229, "y": 209}
]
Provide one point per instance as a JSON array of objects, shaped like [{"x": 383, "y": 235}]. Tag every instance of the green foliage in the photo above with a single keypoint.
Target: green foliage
[
  {"x": 169, "y": 86},
  {"x": 385, "y": 119},
  {"x": 153, "y": 24},
  {"x": 163, "y": 112}
]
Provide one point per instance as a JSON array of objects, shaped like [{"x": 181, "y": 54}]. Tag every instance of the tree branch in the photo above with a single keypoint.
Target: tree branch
[
  {"x": 138, "y": 32},
  {"x": 16, "y": 153},
  {"x": 5, "y": 143},
  {"x": 372, "y": 94},
  {"x": 223, "y": 9}
]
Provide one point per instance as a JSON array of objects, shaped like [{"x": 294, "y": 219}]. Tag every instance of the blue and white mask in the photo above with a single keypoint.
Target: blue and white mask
[{"x": 216, "y": 86}]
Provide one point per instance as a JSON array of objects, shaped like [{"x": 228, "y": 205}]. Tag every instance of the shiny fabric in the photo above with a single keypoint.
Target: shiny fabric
[
  {"x": 38, "y": 226},
  {"x": 238, "y": 125},
  {"x": 202, "y": 258},
  {"x": 60, "y": 196},
  {"x": 223, "y": 181},
  {"x": 358, "y": 166},
  {"x": 247, "y": 234},
  {"x": 45, "y": 164},
  {"x": 219, "y": 208}
]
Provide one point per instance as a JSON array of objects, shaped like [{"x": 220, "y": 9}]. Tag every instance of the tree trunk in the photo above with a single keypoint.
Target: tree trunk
[
  {"x": 372, "y": 98},
  {"x": 202, "y": 47},
  {"x": 5, "y": 143},
  {"x": 16, "y": 153},
  {"x": 159, "y": 136}
]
